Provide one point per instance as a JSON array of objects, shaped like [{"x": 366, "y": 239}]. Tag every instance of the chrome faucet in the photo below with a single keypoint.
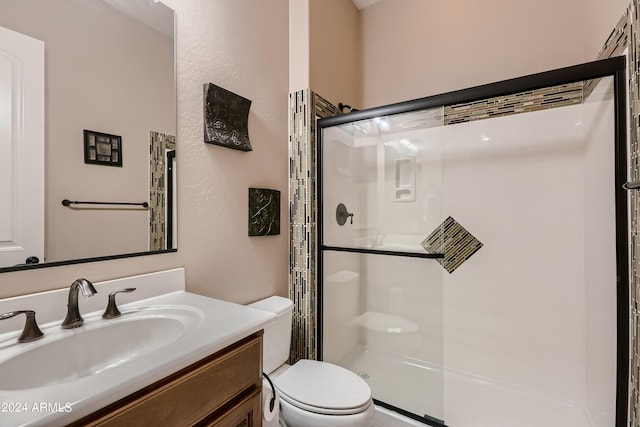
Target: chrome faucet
[{"x": 73, "y": 319}]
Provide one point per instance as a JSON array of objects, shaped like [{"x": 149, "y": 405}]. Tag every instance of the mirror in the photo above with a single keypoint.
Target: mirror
[{"x": 104, "y": 132}]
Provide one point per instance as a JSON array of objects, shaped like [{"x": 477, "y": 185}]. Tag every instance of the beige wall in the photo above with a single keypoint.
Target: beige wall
[
  {"x": 336, "y": 51},
  {"x": 602, "y": 17},
  {"x": 416, "y": 48},
  {"x": 241, "y": 45},
  {"x": 298, "y": 45}
]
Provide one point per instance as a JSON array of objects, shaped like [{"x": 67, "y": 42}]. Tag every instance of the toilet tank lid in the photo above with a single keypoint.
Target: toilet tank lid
[{"x": 275, "y": 304}]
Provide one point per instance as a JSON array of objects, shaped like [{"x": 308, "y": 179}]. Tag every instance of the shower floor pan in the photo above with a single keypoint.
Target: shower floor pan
[{"x": 467, "y": 400}]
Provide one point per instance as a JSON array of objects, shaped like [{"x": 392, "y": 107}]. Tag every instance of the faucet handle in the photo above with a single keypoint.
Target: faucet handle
[
  {"x": 112, "y": 311},
  {"x": 31, "y": 331}
]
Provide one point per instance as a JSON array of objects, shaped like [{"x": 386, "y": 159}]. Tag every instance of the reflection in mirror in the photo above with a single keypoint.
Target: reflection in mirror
[{"x": 105, "y": 66}]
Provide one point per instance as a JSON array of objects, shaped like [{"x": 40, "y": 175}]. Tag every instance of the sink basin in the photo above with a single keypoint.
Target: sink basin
[
  {"x": 75, "y": 372},
  {"x": 95, "y": 348}
]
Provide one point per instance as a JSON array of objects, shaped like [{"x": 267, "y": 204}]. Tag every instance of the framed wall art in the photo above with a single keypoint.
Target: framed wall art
[
  {"x": 264, "y": 212},
  {"x": 102, "y": 148}
]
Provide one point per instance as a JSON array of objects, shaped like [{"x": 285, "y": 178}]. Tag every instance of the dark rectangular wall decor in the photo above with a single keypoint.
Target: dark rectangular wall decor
[
  {"x": 264, "y": 212},
  {"x": 102, "y": 148},
  {"x": 226, "y": 118}
]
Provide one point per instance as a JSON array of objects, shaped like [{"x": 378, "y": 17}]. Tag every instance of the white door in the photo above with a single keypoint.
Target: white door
[{"x": 21, "y": 148}]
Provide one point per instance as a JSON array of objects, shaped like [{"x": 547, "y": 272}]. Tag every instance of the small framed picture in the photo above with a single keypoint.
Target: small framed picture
[{"x": 102, "y": 148}]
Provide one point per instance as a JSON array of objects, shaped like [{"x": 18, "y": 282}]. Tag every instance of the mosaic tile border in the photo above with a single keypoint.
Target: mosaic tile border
[
  {"x": 158, "y": 144},
  {"x": 625, "y": 36},
  {"x": 614, "y": 46},
  {"x": 522, "y": 102},
  {"x": 304, "y": 107}
]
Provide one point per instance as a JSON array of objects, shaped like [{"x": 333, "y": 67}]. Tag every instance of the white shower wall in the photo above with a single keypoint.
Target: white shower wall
[
  {"x": 600, "y": 268},
  {"x": 534, "y": 308},
  {"x": 514, "y": 312}
]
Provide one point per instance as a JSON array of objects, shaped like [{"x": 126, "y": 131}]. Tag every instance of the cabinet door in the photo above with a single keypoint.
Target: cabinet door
[
  {"x": 191, "y": 396},
  {"x": 245, "y": 413}
]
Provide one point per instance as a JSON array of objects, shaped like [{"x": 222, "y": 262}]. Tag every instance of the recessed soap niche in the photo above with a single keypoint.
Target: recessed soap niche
[{"x": 405, "y": 180}]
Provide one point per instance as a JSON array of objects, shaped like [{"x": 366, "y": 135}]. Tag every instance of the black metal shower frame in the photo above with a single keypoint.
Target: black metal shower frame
[{"x": 612, "y": 67}]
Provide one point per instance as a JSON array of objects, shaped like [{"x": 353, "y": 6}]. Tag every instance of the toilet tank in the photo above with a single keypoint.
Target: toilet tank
[{"x": 277, "y": 334}]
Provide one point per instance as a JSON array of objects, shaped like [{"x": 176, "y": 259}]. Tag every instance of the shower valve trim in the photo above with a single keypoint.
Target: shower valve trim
[{"x": 342, "y": 214}]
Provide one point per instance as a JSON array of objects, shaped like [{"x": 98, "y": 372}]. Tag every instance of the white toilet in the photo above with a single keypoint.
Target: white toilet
[{"x": 311, "y": 393}]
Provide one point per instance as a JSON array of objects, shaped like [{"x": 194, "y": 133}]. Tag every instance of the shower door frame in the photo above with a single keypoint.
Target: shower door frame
[{"x": 612, "y": 67}]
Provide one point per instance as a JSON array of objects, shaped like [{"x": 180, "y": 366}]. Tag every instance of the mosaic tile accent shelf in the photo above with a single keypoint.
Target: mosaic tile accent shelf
[{"x": 454, "y": 241}]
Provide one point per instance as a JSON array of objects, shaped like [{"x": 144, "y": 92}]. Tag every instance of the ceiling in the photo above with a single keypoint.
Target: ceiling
[
  {"x": 361, "y": 4},
  {"x": 152, "y": 13}
]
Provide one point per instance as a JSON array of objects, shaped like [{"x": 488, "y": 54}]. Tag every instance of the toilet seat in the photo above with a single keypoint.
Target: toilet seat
[
  {"x": 324, "y": 388},
  {"x": 292, "y": 416}
]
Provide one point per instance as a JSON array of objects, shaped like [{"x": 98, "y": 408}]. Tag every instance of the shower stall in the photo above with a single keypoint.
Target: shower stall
[{"x": 473, "y": 251}]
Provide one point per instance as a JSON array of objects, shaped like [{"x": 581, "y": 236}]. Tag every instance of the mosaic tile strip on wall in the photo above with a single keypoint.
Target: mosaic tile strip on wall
[
  {"x": 304, "y": 107},
  {"x": 614, "y": 46},
  {"x": 625, "y": 36},
  {"x": 523, "y": 102},
  {"x": 159, "y": 144},
  {"x": 630, "y": 26},
  {"x": 633, "y": 38}
]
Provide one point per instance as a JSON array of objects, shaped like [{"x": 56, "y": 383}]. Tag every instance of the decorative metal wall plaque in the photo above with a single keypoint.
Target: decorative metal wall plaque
[
  {"x": 102, "y": 148},
  {"x": 264, "y": 212},
  {"x": 226, "y": 118}
]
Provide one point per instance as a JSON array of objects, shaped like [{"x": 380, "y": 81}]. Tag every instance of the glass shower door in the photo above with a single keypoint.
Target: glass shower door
[{"x": 381, "y": 223}]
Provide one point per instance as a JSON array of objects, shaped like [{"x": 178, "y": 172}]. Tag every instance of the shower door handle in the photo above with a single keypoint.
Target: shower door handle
[{"x": 342, "y": 214}]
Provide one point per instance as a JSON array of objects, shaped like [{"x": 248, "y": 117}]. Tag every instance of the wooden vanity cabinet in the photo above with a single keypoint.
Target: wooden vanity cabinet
[{"x": 222, "y": 390}]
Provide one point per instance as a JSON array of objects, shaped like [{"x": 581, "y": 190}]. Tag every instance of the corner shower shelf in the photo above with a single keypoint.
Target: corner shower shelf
[
  {"x": 373, "y": 251},
  {"x": 384, "y": 322}
]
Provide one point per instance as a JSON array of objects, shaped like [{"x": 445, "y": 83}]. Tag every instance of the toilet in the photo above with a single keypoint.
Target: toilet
[{"x": 311, "y": 393}]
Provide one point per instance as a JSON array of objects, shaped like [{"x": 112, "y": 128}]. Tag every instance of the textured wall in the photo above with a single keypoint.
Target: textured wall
[
  {"x": 241, "y": 45},
  {"x": 335, "y": 63},
  {"x": 136, "y": 60},
  {"x": 429, "y": 47}
]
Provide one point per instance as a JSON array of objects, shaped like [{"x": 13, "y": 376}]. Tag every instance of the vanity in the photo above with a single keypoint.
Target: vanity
[
  {"x": 171, "y": 359},
  {"x": 220, "y": 390}
]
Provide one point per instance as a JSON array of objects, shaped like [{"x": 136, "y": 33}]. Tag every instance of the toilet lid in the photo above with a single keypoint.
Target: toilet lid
[{"x": 323, "y": 387}]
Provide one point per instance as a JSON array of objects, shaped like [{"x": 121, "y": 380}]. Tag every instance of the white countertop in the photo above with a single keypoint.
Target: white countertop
[{"x": 219, "y": 324}]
